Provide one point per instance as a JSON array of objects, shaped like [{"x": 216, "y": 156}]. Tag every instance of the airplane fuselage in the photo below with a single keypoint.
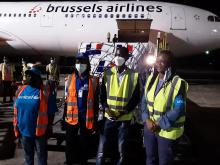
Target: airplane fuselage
[{"x": 58, "y": 28}]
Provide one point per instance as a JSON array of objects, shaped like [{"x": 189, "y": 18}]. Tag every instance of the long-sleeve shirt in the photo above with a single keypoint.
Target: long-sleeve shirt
[{"x": 167, "y": 119}]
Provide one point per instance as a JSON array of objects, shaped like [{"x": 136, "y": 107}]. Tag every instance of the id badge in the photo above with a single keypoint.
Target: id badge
[{"x": 80, "y": 93}]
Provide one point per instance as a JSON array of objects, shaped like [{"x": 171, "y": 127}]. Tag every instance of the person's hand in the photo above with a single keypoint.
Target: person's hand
[{"x": 150, "y": 125}]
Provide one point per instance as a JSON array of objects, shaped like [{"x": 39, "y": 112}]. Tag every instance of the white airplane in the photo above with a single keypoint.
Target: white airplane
[{"x": 57, "y": 28}]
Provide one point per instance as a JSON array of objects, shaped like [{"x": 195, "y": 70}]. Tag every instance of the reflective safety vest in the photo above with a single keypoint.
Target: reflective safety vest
[
  {"x": 163, "y": 102},
  {"x": 7, "y": 72},
  {"x": 24, "y": 69},
  {"x": 72, "y": 106},
  {"x": 42, "y": 118},
  {"x": 118, "y": 96},
  {"x": 53, "y": 71}
]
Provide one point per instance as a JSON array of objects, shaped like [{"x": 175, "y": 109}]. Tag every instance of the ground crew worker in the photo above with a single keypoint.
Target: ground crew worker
[
  {"x": 108, "y": 36},
  {"x": 119, "y": 96},
  {"x": 52, "y": 70},
  {"x": 24, "y": 68},
  {"x": 30, "y": 117},
  {"x": 81, "y": 113},
  {"x": 7, "y": 76},
  {"x": 163, "y": 111}
]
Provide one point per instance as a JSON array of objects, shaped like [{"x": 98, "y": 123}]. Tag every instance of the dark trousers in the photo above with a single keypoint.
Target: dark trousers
[
  {"x": 32, "y": 144},
  {"x": 114, "y": 139},
  {"x": 159, "y": 150},
  {"x": 7, "y": 90},
  {"x": 77, "y": 147}
]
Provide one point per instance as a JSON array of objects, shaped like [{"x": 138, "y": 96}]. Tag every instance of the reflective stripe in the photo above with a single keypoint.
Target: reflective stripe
[
  {"x": 131, "y": 83},
  {"x": 72, "y": 115},
  {"x": 42, "y": 113},
  {"x": 90, "y": 119},
  {"x": 89, "y": 107},
  {"x": 116, "y": 107},
  {"x": 150, "y": 103},
  {"x": 155, "y": 112},
  {"x": 44, "y": 126},
  {"x": 117, "y": 98},
  {"x": 71, "y": 104},
  {"x": 170, "y": 100},
  {"x": 68, "y": 82},
  {"x": 108, "y": 77}
]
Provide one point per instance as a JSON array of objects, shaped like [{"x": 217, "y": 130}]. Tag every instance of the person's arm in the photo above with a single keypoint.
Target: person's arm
[{"x": 167, "y": 120}]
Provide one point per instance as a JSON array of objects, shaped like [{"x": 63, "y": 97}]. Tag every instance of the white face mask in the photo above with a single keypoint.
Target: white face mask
[
  {"x": 119, "y": 61},
  {"x": 81, "y": 67}
]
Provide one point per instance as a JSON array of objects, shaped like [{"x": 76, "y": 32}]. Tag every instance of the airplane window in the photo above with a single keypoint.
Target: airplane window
[
  {"x": 24, "y": 15},
  {"x": 5, "y": 15},
  {"x": 83, "y": 16},
  {"x": 9, "y": 15},
  {"x": 136, "y": 16},
  {"x": 106, "y": 15},
  {"x": 88, "y": 15},
  {"x": 29, "y": 15},
  {"x": 35, "y": 15},
  {"x": 142, "y": 15},
  {"x": 129, "y": 15},
  {"x": 19, "y": 15},
  {"x": 14, "y": 14},
  {"x": 117, "y": 15},
  {"x": 217, "y": 19},
  {"x": 123, "y": 15},
  {"x": 100, "y": 15},
  {"x": 0, "y": 14},
  {"x": 211, "y": 18},
  {"x": 112, "y": 15},
  {"x": 94, "y": 15},
  {"x": 66, "y": 15}
]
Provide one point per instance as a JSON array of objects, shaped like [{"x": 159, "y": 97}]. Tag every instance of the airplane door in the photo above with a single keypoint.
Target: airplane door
[
  {"x": 46, "y": 20},
  {"x": 178, "y": 21},
  {"x": 133, "y": 30}
]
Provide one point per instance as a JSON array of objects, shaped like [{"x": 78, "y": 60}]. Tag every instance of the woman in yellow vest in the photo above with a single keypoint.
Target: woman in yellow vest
[
  {"x": 119, "y": 96},
  {"x": 163, "y": 111},
  {"x": 81, "y": 113},
  {"x": 30, "y": 117}
]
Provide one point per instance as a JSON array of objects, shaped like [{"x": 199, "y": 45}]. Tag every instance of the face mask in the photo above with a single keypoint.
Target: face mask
[
  {"x": 119, "y": 61},
  {"x": 81, "y": 67}
]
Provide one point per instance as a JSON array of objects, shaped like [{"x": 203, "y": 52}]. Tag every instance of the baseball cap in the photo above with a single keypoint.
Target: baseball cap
[
  {"x": 81, "y": 56},
  {"x": 33, "y": 71}
]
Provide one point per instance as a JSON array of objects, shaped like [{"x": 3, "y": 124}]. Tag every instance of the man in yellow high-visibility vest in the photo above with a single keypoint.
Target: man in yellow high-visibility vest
[{"x": 119, "y": 96}]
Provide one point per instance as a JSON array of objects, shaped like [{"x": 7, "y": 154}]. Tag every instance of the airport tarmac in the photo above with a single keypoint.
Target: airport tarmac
[{"x": 200, "y": 145}]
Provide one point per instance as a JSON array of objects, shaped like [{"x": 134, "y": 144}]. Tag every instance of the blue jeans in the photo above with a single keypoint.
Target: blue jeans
[
  {"x": 114, "y": 138},
  {"x": 159, "y": 150},
  {"x": 31, "y": 144}
]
